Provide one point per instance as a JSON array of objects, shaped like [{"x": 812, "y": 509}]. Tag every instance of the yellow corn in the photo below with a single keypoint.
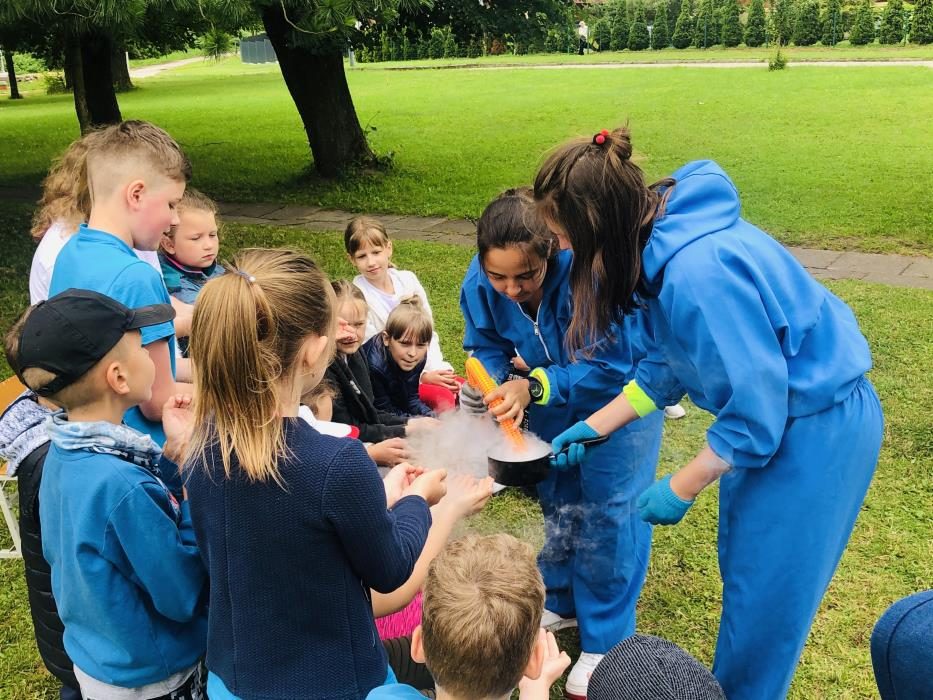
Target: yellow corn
[{"x": 479, "y": 379}]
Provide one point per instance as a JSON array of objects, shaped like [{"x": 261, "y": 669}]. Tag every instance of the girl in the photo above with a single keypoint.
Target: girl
[
  {"x": 740, "y": 326},
  {"x": 188, "y": 253},
  {"x": 397, "y": 357},
  {"x": 349, "y": 374},
  {"x": 384, "y": 286},
  {"x": 272, "y": 498},
  {"x": 515, "y": 297}
]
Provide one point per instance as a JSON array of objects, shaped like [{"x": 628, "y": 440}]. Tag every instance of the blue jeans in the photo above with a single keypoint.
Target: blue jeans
[{"x": 902, "y": 649}]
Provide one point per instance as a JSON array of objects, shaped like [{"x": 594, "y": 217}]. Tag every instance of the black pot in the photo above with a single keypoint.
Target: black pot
[{"x": 508, "y": 471}]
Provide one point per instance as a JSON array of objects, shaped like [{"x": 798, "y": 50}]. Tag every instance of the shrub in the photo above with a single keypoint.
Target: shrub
[
  {"x": 450, "y": 44},
  {"x": 755, "y": 29},
  {"x": 619, "y": 26},
  {"x": 660, "y": 33},
  {"x": 603, "y": 34},
  {"x": 863, "y": 25},
  {"x": 27, "y": 63},
  {"x": 921, "y": 28},
  {"x": 782, "y": 19},
  {"x": 638, "y": 37},
  {"x": 707, "y": 29},
  {"x": 778, "y": 61},
  {"x": 55, "y": 84},
  {"x": 833, "y": 23},
  {"x": 731, "y": 25},
  {"x": 893, "y": 27},
  {"x": 683, "y": 28},
  {"x": 436, "y": 43},
  {"x": 807, "y": 27}
]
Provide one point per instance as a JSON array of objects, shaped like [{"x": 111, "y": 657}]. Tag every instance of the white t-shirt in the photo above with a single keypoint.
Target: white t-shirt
[
  {"x": 381, "y": 304},
  {"x": 43, "y": 260}
]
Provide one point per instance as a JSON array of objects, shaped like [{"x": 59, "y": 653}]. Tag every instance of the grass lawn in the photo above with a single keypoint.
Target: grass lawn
[
  {"x": 826, "y": 157},
  {"x": 891, "y": 553},
  {"x": 167, "y": 58}
]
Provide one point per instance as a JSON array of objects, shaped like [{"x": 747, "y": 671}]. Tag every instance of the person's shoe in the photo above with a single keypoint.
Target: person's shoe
[
  {"x": 579, "y": 679},
  {"x": 674, "y": 412},
  {"x": 553, "y": 622}
]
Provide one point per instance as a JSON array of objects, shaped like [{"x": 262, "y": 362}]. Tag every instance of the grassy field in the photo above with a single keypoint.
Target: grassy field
[
  {"x": 891, "y": 553},
  {"x": 826, "y": 157}
]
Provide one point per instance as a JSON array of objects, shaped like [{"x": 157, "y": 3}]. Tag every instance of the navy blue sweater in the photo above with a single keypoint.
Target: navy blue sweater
[
  {"x": 394, "y": 389},
  {"x": 290, "y": 569}
]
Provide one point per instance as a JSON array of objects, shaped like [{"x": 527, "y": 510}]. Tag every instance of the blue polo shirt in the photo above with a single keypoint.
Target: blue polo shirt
[{"x": 101, "y": 262}]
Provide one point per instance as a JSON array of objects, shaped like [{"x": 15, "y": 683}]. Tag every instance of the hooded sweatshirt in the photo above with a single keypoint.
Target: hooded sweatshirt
[{"x": 739, "y": 324}]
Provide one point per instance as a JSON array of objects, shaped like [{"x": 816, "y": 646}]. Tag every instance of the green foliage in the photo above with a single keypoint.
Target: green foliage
[
  {"x": 782, "y": 21},
  {"x": 660, "y": 33},
  {"x": 603, "y": 34},
  {"x": 436, "y": 43},
  {"x": 833, "y": 23},
  {"x": 27, "y": 63},
  {"x": 863, "y": 25},
  {"x": 807, "y": 25},
  {"x": 921, "y": 26},
  {"x": 778, "y": 61},
  {"x": 619, "y": 25},
  {"x": 731, "y": 24},
  {"x": 638, "y": 37},
  {"x": 451, "y": 50},
  {"x": 756, "y": 25},
  {"x": 893, "y": 23},
  {"x": 55, "y": 84},
  {"x": 684, "y": 27},
  {"x": 708, "y": 27},
  {"x": 215, "y": 44}
]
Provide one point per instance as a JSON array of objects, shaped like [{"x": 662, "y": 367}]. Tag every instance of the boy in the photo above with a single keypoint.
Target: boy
[
  {"x": 126, "y": 574},
  {"x": 136, "y": 176},
  {"x": 481, "y": 633}
]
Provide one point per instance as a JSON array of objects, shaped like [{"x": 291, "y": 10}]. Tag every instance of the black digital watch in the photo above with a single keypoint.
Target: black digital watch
[{"x": 535, "y": 389}]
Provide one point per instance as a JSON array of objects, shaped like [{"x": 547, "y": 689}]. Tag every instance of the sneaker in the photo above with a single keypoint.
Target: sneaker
[
  {"x": 674, "y": 412},
  {"x": 579, "y": 679},
  {"x": 553, "y": 622}
]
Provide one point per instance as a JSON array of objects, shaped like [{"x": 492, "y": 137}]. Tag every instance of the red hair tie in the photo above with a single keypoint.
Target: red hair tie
[{"x": 600, "y": 138}]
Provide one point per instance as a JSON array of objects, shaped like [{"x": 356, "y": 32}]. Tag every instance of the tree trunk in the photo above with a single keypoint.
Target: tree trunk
[
  {"x": 318, "y": 86},
  {"x": 11, "y": 74},
  {"x": 74, "y": 68},
  {"x": 98, "y": 79},
  {"x": 121, "y": 72}
]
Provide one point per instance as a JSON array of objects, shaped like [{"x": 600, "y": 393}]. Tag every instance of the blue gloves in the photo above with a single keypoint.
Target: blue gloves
[
  {"x": 659, "y": 505},
  {"x": 569, "y": 441}
]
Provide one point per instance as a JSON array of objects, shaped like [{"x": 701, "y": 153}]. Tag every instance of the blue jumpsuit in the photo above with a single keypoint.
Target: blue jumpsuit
[
  {"x": 740, "y": 326},
  {"x": 596, "y": 547}
]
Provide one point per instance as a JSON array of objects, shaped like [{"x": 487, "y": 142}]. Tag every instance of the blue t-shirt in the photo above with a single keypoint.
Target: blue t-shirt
[{"x": 101, "y": 262}]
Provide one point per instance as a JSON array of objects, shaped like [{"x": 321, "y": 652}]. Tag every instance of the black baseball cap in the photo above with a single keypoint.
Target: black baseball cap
[{"x": 70, "y": 333}]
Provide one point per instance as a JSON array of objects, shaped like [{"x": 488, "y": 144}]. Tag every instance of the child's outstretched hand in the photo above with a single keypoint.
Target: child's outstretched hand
[
  {"x": 399, "y": 479},
  {"x": 555, "y": 663},
  {"x": 441, "y": 377},
  {"x": 431, "y": 486},
  {"x": 389, "y": 452},
  {"x": 466, "y": 494},
  {"x": 177, "y": 422}
]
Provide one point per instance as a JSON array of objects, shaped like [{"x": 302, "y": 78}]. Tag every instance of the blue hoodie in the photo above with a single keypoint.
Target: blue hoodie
[{"x": 739, "y": 324}]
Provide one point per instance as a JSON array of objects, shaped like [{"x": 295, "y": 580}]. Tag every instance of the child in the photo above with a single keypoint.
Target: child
[
  {"x": 396, "y": 359},
  {"x": 126, "y": 575},
  {"x": 188, "y": 252},
  {"x": 136, "y": 175},
  {"x": 349, "y": 374},
  {"x": 779, "y": 361},
  {"x": 384, "y": 286},
  {"x": 596, "y": 548},
  {"x": 480, "y": 636},
  {"x": 272, "y": 499}
]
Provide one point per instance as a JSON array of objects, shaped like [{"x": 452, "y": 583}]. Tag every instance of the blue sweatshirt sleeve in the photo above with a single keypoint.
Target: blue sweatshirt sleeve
[
  {"x": 481, "y": 338},
  {"x": 720, "y": 322},
  {"x": 160, "y": 554},
  {"x": 382, "y": 545}
]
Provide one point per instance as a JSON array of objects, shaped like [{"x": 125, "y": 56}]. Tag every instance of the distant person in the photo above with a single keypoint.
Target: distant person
[{"x": 583, "y": 33}]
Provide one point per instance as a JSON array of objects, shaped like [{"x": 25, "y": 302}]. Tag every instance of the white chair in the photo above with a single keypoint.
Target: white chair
[{"x": 9, "y": 390}]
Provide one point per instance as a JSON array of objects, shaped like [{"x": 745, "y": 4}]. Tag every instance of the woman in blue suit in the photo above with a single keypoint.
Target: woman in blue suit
[
  {"x": 515, "y": 299},
  {"x": 740, "y": 326}
]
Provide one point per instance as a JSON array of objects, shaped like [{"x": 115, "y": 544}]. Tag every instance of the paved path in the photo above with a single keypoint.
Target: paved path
[
  {"x": 149, "y": 71},
  {"x": 898, "y": 270}
]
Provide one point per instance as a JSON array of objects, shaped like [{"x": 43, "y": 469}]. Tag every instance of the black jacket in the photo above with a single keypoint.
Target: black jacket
[
  {"x": 353, "y": 403},
  {"x": 394, "y": 390},
  {"x": 45, "y": 620}
]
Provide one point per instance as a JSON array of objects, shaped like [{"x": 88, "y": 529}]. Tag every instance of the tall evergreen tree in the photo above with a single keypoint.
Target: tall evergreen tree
[
  {"x": 731, "y": 25},
  {"x": 683, "y": 27},
  {"x": 863, "y": 25},
  {"x": 755, "y": 27},
  {"x": 807, "y": 25},
  {"x": 638, "y": 37},
  {"x": 893, "y": 20},
  {"x": 603, "y": 34},
  {"x": 705, "y": 34},
  {"x": 618, "y": 25},
  {"x": 660, "y": 32},
  {"x": 833, "y": 27},
  {"x": 921, "y": 27},
  {"x": 782, "y": 19}
]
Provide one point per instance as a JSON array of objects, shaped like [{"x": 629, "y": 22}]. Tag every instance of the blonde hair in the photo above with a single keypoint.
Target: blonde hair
[
  {"x": 483, "y": 598},
  {"x": 347, "y": 291},
  {"x": 248, "y": 328},
  {"x": 133, "y": 149},
  {"x": 410, "y": 319},
  {"x": 66, "y": 196},
  {"x": 364, "y": 230},
  {"x": 195, "y": 200}
]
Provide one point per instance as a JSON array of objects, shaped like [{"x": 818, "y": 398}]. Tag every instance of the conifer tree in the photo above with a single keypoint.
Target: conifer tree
[
  {"x": 782, "y": 19},
  {"x": 807, "y": 27},
  {"x": 731, "y": 25},
  {"x": 660, "y": 34},
  {"x": 755, "y": 30},
  {"x": 683, "y": 27},
  {"x": 892, "y": 23},
  {"x": 618, "y": 25},
  {"x": 638, "y": 37},
  {"x": 863, "y": 26},
  {"x": 921, "y": 27},
  {"x": 832, "y": 23},
  {"x": 705, "y": 33}
]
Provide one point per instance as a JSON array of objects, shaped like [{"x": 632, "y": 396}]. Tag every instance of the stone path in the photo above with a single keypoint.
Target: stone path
[
  {"x": 898, "y": 270},
  {"x": 149, "y": 71}
]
